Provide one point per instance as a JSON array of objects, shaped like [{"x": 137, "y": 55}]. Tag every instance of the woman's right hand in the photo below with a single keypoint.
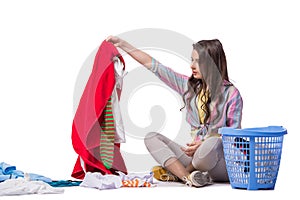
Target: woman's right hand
[
  {"x": 191, "y": 148},
  {"x": 140, "y": 56},
  {"x": 115, "y": 40}
]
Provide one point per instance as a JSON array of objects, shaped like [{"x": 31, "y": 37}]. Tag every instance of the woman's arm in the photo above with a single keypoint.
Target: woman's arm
[
  {"x": 140, "y": 56},
  {"x": 234, "y": 110},
  {"x": 176, "y": 81}
]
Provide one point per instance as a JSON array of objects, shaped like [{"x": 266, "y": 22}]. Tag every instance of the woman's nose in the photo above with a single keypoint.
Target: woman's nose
[{"x": 193, "y": 64}]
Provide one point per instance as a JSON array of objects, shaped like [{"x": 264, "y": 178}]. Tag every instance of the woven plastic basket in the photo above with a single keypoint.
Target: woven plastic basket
[{"x": 253, "y": 156}]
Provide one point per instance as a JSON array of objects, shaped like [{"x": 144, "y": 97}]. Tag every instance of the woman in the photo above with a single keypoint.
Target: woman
[{"x": 212, "y": 102}]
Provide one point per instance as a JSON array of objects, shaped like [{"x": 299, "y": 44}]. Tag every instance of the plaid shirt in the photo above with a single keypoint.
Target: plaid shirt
[{"x": 227, "y": 113}]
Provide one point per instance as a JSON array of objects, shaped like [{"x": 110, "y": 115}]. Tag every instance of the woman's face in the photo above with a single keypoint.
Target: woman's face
[{"x": 195, "y": 65}]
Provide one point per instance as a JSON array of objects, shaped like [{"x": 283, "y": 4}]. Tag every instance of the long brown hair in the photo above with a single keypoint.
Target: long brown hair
[{"x": 213, "y": 67}]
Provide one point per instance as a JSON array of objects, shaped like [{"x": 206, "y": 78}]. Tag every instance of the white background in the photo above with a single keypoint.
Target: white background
[{"x": 43, "y": 45}]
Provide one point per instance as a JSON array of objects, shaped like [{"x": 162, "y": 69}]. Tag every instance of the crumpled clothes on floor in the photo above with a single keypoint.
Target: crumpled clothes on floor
[
  {"x": 109, "y": 181},
  {"x": 8, "y": 171},
  {"x": 21, "y": 186}
]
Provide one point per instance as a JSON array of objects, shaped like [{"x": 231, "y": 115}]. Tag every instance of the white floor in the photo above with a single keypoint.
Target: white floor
[{"x": 170, "y": 190}]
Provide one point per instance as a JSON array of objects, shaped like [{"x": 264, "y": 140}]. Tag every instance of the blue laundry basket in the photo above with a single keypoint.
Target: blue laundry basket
[{"x": 252, "y": 156}]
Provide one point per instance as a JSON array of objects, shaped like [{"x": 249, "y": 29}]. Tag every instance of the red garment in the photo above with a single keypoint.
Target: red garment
[{"x": 86, "y": 122}]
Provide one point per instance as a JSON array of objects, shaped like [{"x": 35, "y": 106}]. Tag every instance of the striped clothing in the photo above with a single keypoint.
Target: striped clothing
[
  {"x": 227, "y": 113},
  {"x": 136, "y": 183},
  {"x": 107, "y": 136}
]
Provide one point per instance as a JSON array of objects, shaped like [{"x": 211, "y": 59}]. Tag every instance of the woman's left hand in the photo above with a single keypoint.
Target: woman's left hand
[{"x": 191, "y": 148}]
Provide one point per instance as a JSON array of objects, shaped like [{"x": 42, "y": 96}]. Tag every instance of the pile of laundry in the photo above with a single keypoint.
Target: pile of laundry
[
  {"x": 16, "y": 182},
  {"x": 111, "y": 181}
]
